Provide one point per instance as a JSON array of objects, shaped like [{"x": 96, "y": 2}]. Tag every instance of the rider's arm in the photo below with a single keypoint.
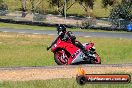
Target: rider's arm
[
  {"x": 53, "y": 43},
  {"x": 71, "y": 35}
]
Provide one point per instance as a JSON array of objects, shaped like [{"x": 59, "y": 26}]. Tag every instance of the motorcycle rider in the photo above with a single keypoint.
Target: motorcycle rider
[{"x": 68, "y": 36}]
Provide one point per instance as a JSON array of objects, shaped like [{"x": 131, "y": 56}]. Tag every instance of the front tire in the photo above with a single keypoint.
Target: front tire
[{"x": 61, "y": 58}]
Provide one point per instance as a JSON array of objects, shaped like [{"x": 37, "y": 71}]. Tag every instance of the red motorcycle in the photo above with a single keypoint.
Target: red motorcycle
[{"x": 65, "y": 53}]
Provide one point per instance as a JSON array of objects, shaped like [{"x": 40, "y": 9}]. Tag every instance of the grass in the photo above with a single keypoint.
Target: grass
[
  {"x": 31, "y": 27},
  {"x": 58, "y": 83},
  {"x": 22, "y": 26},
  {"x": 30, "y": 50}
]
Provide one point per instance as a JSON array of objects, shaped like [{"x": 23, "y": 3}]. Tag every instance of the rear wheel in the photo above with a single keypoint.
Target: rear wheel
[
  {"x": 61, "y": 57},
  {"x": 96, "y": 59}
]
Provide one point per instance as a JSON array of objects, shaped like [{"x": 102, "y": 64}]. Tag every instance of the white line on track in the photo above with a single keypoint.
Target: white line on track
[
  {"x": 5, "y": 31},
  {"x": 21, "y": 32},
  {"x": 51, "y": 34},
  {"x": 87, "y": 36},
  {"x": 36, "y": 33}
]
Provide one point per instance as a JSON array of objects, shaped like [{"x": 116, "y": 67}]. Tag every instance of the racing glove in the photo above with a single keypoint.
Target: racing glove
[{"x": 48, "y": 48}]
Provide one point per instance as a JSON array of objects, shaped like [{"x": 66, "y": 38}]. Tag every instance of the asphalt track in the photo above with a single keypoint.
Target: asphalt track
[{"x": 84, "y": 34}]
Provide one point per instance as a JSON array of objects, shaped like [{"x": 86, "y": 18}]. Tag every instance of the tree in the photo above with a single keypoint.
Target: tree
[
  {"x": 121, "y": 11},
  {"x": 35, "y": 4},
  {"x": 23, "y": 5},
  {"x": 87, "y": 5},
  {"x": 3, "y": 8},
  {"x": 108, "y": 2},
  {"x": 61, "y": 5}
]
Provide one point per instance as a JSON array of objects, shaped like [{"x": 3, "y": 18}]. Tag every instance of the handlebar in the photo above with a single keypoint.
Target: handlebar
[
  {"x": 48, "y": 48},
  {"x": 53, "y": 43}
]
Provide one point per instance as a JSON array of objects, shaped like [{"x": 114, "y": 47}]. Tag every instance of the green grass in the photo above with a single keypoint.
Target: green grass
[
  {"x": 30, "y": 50},
  {"x": 24, "y": 50},
  {"x": 31, "y": 27},
  {"x": 21, "y": 26},
  {"x": 58, "y": 83},
  {"x": 112, "y": 51}
]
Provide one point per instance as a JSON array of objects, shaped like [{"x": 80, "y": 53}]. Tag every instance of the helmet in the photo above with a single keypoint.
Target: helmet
[{"x": 61, "y": 28}]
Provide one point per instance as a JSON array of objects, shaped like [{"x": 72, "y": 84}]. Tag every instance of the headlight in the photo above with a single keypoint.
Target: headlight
[
  {"x": 55, "y": 45},
  {"x": 93, "y": 47}
]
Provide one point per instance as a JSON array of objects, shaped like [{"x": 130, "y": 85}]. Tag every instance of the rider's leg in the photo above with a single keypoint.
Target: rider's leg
[{"x": 79, "y": 45}]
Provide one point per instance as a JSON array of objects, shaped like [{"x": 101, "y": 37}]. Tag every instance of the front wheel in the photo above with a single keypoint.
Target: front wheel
[{"x": 61, "y": 58}]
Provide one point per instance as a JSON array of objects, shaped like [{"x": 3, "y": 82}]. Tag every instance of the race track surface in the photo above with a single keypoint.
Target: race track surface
[{"x": 85, "y": 34}]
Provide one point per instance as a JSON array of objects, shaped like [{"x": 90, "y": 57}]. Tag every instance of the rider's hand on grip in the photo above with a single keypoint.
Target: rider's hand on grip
[{"x": 48, "y": 48}]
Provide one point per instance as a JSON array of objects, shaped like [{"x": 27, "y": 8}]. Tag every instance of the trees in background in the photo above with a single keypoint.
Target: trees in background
[
  {"x": 121, "y": 14},
  {"x": 122, "y": 10},
  {"x": 3, "y": 8},
  {"x": 23, "y": 7},
  {"x": 34, "y": 5},
  {"x": 61, "y": 5},
  {"x": 87, "y": 5},
  {"x": 106, "y": 3}
]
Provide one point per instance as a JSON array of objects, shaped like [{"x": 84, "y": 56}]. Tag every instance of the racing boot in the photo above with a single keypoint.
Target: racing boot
[{"x": 87, "y": 53}]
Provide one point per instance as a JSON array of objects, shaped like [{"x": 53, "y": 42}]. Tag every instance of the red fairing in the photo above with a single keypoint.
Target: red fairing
[
  {"x": 67, "y": 53},
  {"x": 68, "y": 46},
  {"x": 64, "y": 45},
  {"x": 88, "y": 46}
]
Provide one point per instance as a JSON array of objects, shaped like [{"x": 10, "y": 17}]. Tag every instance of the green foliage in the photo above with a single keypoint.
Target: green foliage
[
  {"x": 3, "y": 6},
  {"x": 108, "y": 2},
  {"x": 1, "y": 1},
  {"x": 121, "y": 14},
  {"x": 46, "y": 6},
  {"x": 122, "y": 11},
  {"x": 88, "y": 22},
  {"x": 87, "y": 3}
]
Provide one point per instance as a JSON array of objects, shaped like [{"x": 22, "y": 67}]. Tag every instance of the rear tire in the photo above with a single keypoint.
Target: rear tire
[{"x": 97, "y": 61}]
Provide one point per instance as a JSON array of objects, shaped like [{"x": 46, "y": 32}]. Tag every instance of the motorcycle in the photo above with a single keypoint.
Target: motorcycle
[{"x": 65, "y": 53}]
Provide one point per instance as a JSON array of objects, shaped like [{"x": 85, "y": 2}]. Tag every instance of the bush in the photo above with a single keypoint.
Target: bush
[
  {"x": 121, "y": 12},
  {"x": 88, "y": 22},
  {"x": 3, "y": 8},
  {"x": 38, "y": 17}
]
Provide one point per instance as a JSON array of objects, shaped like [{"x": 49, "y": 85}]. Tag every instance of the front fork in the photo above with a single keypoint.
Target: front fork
[{"x": 64, "y": 57}]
